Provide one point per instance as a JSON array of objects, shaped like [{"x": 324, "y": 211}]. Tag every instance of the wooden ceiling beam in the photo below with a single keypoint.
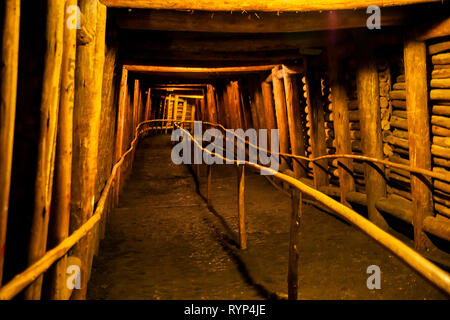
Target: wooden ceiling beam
[
  {"x": 268, "y": 22},
  {"x": 164, "y": 69},
  {"x": 257, "y": 5}
]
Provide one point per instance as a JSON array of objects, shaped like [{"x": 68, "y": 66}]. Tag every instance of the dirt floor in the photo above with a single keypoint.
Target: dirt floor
[{"x": 163, "y": 242}]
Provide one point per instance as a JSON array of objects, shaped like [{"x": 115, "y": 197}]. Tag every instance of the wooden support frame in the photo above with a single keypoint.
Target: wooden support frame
[
  {"x": 281, "y": 114},
  {"x": 339, "y": 100},
  {"x": 419, "y": 135},
  {"x": 8, "y": 94},
  {"x": 148, "y": 105},
  {"x": 371, "y": 135},
  {"x": 294, "y": 115},
  {"x": 269, "y": 109},
  {"x": 315, "y": 103},
  {"x": 60, "y": 217},
  {"x": 47, "y": 140}
]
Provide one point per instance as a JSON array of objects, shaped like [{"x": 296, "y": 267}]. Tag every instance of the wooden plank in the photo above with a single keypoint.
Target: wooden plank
[
  {"x": 294, "y": 115},
  {"x": 262, "y": 22},
  {"x": 47, "y": 141},
  {"x": 371, "y": 135},
  {"x": 316, "y": 110},
  {"x": 339, "y": 100},
  {"x": 59, "y": 224},
  {"x": 161, "y": 69},
  {"x": 419, "y": 135},
  {"x": 8, "y": 94},
  {"x": 255, "y": 5},
  {"x": 281, "y": 115}
]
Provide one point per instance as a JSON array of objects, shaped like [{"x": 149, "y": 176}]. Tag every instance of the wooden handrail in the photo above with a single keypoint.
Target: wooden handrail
[{"x": 434, "y": 274}]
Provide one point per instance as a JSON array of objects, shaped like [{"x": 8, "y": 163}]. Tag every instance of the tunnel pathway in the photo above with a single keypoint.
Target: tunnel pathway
[{"x": 163, "y": 242}]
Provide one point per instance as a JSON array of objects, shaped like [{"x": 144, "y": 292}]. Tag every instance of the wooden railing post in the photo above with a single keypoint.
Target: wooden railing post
[
  {"x": 419, "y": 135},
  {"x": 339, "y": 100},
  {"x": 241, "y": 207},
  {"x": 371, "y": 135},
  {"x": 8, "y": 94},
  {"x": 208, "y": 184},
  {"x": 294, "y": 237}
]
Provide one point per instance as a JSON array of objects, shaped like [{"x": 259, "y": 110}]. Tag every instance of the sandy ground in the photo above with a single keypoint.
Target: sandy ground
[{"x": 163, "y": 242}]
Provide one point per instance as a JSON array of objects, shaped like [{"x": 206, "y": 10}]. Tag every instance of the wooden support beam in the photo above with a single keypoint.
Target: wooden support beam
[
  {"x": 255, "y": 5},
  {"x": 47, "y": 141},
  {"x": 419, "y": 135},
  {"x": 315, "y": 102},
  {"x": 435, "y": 29},
  {"x": 262, "y": 22},
  {"x": 339, "y": 100},
  {"x": 294, "y": 242},
  {"x": 371, "y": 135},
  {"x": 241, "y": 207},
  {"x": 294, "y": 116},
  {"x": 120, "y": 130},
  {"x": 269, "y": 111},
  {"x": 136, "y": 94},
  {"x": 281, "y": 114},
  {"x": 148, "y": 105},
  {"x": 211, "y": 105},
  {"x": 225, "y": 70},
  {"x": 60, "y": 214},
  {"x": 8, "y": 94}
]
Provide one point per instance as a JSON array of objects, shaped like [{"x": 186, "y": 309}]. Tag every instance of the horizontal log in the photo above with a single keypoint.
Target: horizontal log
[
  {"x": 441, "y": 162},
  {"x": 256, "y": 5},
  {"x": 440, "y": 131},
  {"x": 160, "y": 69},
  {"x": 400, "y": 113},
  {"x": 356, "y": 197},
  {"x": 441, "y": 58},
  {"x": 440, "y": 94},
  {"x": 399, "y": 86},
  {"x": 249, "y": 22},
  {"x": 440, "y": 83},
  {"x": 400, "y": 78},
  {"x": 402, "y": 143},
  {"x": 396, "y": 206},
  {"x": 399, "y": 123},
  {"x": 437, "y": 227},
  {"x": 440, "y": 73},
  {"x": 441, "y": 67},
  {"x": 353, "y": 105},
  {"x": 400, "y": 134},
  {"x": 442, "y": 209},
  {"x": 399, "y": 104},
  {"x": 441, "y": 110},
  {"x": 440, "y": 151},
  {"x": 442, "y": 141},
  {"x": 398, "y": 159},
  {"x": 398, "y": 94},
  {"x": 399, "y": 178},
  {"x": 438, "y": 47},
  {"x": 441, "y": 121}
]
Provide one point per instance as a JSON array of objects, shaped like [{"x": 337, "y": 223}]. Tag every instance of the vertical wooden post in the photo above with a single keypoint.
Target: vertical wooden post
[
  {"x": 294, "y": 240},
  {"x": 419, "y": 135},
  {"x": 371, "y": 136},
  {"x": 135, "y": 105},
  {"x": 241, "y": 206},
  {"x": 281, "y": 114},
  {"x": 339, "y": 100},
  {"x": 317, "y": 114},
  {"x": 60, "y": 217},
  {"x": 148, "y": 105},
  {"x": 208, "y": 184},
  {"x": 269, "y": 111},
  {"x": 47, "y": 140},
  {"x": 120, "y": 131},
  {"x": 211, "y": 103},
  {"x": 294, "y": 114},
  {"x": 8, "y": 94},
  {"x": 87, "y": 111}
]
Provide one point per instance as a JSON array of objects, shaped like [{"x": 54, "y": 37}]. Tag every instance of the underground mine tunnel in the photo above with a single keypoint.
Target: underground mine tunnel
[{"x": 170, "y": 150}]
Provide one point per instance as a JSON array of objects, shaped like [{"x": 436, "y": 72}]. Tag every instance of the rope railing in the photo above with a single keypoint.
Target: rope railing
[
  {"x": 427, "y": 269},
  {"x": 434, "y": 274}
]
